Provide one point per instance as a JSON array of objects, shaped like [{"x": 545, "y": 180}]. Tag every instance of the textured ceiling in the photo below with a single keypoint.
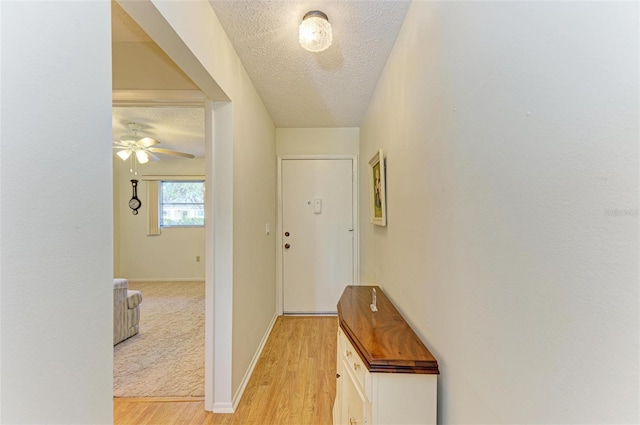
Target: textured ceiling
[
  {"x": 303, "y": 89},
  {"x": 299, "y": 88},
  {"x": 176, "y": 128}
]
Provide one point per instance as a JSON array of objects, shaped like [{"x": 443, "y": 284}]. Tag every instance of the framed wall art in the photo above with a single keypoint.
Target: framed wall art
[{"x": 377, "y": 190}]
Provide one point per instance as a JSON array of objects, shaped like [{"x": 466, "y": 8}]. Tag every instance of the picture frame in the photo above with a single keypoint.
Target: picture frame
[{"x": 377, "y": 190}]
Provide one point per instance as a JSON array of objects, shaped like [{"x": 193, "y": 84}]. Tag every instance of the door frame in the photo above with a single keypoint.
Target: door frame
[
  {"x": 218, "y": 267},
  {"x": 279, "y": 230}
]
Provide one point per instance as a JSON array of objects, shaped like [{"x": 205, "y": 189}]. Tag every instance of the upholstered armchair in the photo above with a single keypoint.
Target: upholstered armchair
[{"x": 126, "y": 311}]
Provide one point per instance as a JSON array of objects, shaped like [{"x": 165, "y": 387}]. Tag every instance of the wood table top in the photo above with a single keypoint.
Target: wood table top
[{"x": 383, "y": 339}]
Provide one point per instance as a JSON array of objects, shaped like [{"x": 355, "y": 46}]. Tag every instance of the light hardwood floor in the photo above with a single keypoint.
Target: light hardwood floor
[{"x": 294, "y": 383}]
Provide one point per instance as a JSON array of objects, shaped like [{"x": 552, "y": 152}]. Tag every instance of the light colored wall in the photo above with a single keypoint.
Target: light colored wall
[
  {"x": 56, "y": 220},
  {"x": 254, "y": 204},
  {"x": 116, "y": 216},
  {"x": 511, "y": 136},
  {"x": 254, "y": 174},
  {"x": 317, "y": 141},
  {"x": 144, "y": 66},
  {"x": 172, "y": 254}
]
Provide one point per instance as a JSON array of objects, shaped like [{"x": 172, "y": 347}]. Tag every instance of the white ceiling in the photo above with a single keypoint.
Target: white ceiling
[
  {"x": 300, "y": 89},
  {"x": 303, "y": 89},
  {"x": 176, "y": 128}
]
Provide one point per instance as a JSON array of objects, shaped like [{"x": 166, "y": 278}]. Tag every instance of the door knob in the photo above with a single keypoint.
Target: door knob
[{"x": 287, "y": 246}]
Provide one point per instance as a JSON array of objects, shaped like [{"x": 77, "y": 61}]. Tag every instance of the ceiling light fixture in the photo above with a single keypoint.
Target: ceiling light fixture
[
  {"x": 124, "y": 154},
  {"x": 141, "y": 150},
  {"x": 315, "y": 31},
  {"x": 142, "y": 156}
]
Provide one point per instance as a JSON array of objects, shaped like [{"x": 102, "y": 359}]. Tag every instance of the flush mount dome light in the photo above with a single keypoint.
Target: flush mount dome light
[{"x": 315, "y": 31}]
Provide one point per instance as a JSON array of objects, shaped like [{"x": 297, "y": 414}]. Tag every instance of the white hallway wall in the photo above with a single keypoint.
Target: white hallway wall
[
  {"x": 251, "y": 304},
  {"x": 511, "y": 135},
  {"x": 56, "y": 214},
  {"x": 168, "y": 256},
  {"x": 317, "y": 141}
]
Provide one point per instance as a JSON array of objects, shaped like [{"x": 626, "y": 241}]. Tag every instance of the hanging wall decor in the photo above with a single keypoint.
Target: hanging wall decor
[
  {"x": 134, "y": 202},
  {"x": 377, "y": 191}
]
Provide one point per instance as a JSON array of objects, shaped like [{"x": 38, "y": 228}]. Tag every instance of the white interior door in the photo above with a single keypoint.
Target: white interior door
[{"x": 317, "y": 233}]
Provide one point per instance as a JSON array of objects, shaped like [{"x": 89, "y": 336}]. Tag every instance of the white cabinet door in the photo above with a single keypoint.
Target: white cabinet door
[
  {"x": 355, "y": 402},
  {"x": 337, "y": 406}
]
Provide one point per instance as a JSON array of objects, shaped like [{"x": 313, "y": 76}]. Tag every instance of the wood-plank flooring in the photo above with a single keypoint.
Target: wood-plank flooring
[{"x": 293, "y": 383}]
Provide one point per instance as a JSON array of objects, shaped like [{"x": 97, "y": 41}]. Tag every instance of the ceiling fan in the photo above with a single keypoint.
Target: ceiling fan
[{"x": 142, "y": 148}]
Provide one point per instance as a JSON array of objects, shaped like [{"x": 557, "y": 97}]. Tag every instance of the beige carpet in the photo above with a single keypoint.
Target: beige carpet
[{"x": 166, "y": 359}]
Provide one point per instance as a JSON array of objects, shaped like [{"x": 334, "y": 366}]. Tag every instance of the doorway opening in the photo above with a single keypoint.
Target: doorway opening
[{"x": 165, "y": 358}]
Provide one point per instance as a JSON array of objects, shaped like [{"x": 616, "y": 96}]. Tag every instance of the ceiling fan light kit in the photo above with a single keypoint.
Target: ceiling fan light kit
[
  {"x": 142, "y": 157},
  {"x": 315, "y": 31},
  {"x": 141, "y": 149},
  {"x": 124, "y": 154}
]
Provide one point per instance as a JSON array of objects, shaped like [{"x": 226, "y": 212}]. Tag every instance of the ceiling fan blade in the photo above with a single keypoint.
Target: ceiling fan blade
[
  {"x": 152, "y": 156},
  {"x": 170, "y": 152},
  {"x": 147, "y": 142}
]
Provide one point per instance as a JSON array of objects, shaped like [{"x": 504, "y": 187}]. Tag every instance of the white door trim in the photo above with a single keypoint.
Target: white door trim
[
  {"x": 217, "y": 267},
  {"x": 152, "y": 98},
  {"x": 356, "y": 227}
]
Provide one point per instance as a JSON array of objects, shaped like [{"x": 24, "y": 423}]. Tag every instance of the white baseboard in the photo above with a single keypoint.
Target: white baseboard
[
  {"x": 223, "y": 408},
  {"x": 181, "y": 279},
  {"x": 252, "y": 365}
]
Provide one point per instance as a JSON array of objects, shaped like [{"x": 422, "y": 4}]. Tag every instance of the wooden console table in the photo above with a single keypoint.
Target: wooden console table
[{"x": 386, "y": 375}]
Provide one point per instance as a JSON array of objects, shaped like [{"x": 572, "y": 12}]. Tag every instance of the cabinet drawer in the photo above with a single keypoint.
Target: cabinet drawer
[
  {"x": 354, "y": 362},
  {"x": 355, "y": 405}
]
